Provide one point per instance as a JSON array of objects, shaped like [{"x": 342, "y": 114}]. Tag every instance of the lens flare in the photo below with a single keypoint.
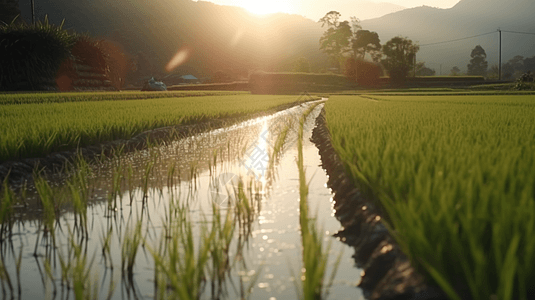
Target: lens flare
[
  {"x": 237, "y": 37},
  {"x": 180, "y": 57}
]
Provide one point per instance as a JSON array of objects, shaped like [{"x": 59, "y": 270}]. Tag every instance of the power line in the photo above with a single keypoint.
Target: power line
[
  {"x": 474, "y": 36},
  {"x": 461, "y": 39},
  {"x": 519, "y": 32}
]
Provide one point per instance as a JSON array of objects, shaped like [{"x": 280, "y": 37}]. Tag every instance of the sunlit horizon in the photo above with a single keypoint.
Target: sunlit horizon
[
  {"x": 265, "y": 7},
  {"x": 318, "y": 8}
]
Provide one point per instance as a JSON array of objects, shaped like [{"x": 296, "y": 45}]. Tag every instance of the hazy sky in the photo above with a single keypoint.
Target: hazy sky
[{"x": 315, "y": 9}]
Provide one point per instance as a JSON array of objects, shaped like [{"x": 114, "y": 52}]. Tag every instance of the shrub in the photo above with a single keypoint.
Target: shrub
[
  {"x": 364, "y": 73},
  {"x": 30, "y": 55},
  {"x": 94, "y": 64},
  {"x": 290, "y": 83},
  {"x": 524, "y": 82}
]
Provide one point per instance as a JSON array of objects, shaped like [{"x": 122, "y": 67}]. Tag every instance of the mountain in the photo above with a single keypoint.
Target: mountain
[
  {"x": 215, "y": 37},
  {"x": 428, "y": 25}
]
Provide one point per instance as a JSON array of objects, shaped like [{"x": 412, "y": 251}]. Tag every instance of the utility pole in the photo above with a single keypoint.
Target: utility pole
[
  {"x": 414, "y": 65},
  {"x": 33, "y": 11},
  {"x": 500, "y": 63}
]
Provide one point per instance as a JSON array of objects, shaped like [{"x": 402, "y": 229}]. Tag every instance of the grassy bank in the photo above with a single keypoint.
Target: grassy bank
[
  {"x": 456, "y": 178},
  {"x": 34, "y": 130}
]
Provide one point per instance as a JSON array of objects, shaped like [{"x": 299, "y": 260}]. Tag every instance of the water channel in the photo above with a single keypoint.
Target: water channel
[{"x": 190, "y": 178}]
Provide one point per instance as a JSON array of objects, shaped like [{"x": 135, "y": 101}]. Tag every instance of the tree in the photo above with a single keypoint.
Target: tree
[
  {"x": 455, "y": 71},
  {"x": 422, "y": 70},
  {"x": 514, "y": 68},
  {"x": 529, "y": 64},
  {"x": 362, "y": 72},
  {"x": 478, "y": 64},
  {"x": 366, "y": 41},
  {"x": 302, "y": 65},
  {"x": 494, "y": 72},
  {"x": 335, "y": 39},
  {"x": 400, "y": 53}
]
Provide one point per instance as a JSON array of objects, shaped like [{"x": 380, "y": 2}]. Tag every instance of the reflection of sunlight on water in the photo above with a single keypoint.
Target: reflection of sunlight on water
[
  {"x": 263, "y": 145},
  {"x": 256, "y": 160},
  {"x": 272, "y": 248}
]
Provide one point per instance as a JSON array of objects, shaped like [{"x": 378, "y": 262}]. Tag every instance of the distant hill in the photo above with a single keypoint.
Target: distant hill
[
  {"x": 231, "y": 39},
  {"x": 468, "y": 18},
  {"x": 217, "y": 37}
]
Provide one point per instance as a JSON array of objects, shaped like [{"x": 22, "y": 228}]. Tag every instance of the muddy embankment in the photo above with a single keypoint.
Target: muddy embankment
[
  {"x": 20, "y": 171},
  {"x": 388, "y": 273}
]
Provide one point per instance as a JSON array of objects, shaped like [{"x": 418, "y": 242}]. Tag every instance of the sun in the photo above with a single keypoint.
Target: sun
[{"x": 263, "y": 7}]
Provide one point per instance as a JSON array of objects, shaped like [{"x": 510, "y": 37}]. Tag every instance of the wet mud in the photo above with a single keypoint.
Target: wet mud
[{"x": 387, "y": 271}]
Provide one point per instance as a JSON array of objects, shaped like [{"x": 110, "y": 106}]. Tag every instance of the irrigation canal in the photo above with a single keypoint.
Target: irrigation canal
[{"x": 196, "y": 181}]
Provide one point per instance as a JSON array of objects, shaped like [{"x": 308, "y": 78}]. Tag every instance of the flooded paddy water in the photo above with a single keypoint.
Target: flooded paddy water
[{"x": 215, "y": 215}]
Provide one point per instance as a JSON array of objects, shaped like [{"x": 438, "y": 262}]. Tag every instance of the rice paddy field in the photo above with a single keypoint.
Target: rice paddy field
[
  {"x": 244, "y": 211},
  {"x": 34, "y": 125},
  {"x": 455, "y": 176},
  {"x": 214, "y": 215}
]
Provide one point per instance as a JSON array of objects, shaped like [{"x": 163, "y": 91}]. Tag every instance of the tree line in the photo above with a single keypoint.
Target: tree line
[{"x": 348, "y": 44}]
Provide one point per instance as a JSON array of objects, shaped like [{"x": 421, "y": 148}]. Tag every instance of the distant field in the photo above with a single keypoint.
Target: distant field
[
  {"x": 16, "y": 98},
  {"x": 456, "y": 176},
  {"x": 35, "y": 130},
  {"x": 475, "y": 90}
]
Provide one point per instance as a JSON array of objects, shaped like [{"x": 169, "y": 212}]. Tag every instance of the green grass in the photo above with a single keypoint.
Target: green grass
[
  {"x": 35, "y": 130},
  {"x": 456, "y": 177}
]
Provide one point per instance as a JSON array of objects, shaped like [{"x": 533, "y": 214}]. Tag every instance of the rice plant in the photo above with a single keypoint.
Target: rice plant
[
  {"x": 130, "y": 246},
  {"x": 455, "y": 175},
  {"x": 37, "y": 130},
  {"x": 51, "y": 205},
  {"x": 76, "y": 270},
  {"x": 224, "y": 228},
  {"x": 6, "y": 211},
  {"x": 180, "y": 261}
]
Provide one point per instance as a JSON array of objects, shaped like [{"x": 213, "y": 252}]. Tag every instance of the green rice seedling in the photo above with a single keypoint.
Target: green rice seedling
[
  {"x": 49, "y": 274},
  {"x": 171, "y": 169},
  {"x": 78, "y": 186},
  {"x": 6, "y": 211},
  {"x": 149, "y": 166},
  {"x": 61, "y": 126},
  {"x": 245, "y": 210},
  {"x": 76, "y": 269},
  {"x": 44, "y": 98},
  {"x": 130, "y": 246},
  {"x": 224, "y": 228},
  {"x": 315, "y": 255},
  {"x": 130, "y": 178},
  {"x": 455, "y": 176},
  {"x": 50, "y": 209},
  {"x": 180, "y": 262},
  {"x": 117, "y": 178},
  {"x": 85, "y": 286},
  {"x": 105, "y": 240}
]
